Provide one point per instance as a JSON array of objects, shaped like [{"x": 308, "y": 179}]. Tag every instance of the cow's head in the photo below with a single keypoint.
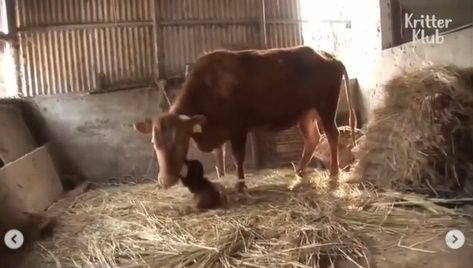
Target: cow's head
[{"x": 170, "y": 135}]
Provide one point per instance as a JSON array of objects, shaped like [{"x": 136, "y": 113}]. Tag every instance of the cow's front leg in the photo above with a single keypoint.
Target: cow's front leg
[
  {"x": 238, "y": 150},
  {"x": 220, "y": 159}
]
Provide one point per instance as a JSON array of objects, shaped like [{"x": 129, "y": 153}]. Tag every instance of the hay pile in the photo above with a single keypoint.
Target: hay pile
[
  {"x": 422, "y": 137},
  {"x": 141, "y": 226}
]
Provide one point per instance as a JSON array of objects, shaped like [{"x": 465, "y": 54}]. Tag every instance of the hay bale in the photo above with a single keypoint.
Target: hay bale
[{"x": 421, "y": 138}]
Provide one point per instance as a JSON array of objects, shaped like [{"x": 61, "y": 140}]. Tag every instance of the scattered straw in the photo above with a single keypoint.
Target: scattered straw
[{"x": 141, "y": 226}]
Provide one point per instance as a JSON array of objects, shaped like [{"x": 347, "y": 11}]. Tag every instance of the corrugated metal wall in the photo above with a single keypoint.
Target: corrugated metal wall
[
  {"x": 283, "y": 22},
  {"x": 192, "y": 27},
  {"x": 64, "y": 44}
]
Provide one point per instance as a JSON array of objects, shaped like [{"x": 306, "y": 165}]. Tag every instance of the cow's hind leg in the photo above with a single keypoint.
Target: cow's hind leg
[
  {"x": 331, "y": 131},
  {"x": 310, "y": 132},
  {"x": 238, "y": 143}
]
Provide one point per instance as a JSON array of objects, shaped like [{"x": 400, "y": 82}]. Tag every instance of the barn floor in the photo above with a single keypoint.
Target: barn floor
[{"x": 271, "y": 226}]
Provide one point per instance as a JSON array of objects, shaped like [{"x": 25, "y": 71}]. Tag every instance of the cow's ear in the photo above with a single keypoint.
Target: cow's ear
[
  {"x": 144, "y": 127},
  {"x": 197, "y": 122}
]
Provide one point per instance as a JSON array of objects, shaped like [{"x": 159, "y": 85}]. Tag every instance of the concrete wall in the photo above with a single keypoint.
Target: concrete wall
[
  {"x": 456, "y": 49},
  {"x": 93, "y": 136},
  {"x": 358, "y": 45}
]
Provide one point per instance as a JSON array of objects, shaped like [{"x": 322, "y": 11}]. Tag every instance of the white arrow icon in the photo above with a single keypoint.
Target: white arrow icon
[
  {"x": 14, "y": 239},
  {"x": 455, "y": 239}
]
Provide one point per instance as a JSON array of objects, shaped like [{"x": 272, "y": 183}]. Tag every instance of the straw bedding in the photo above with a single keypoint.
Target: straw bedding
[
  {"x": 421, "y": 138},
  {"x": 141, "y": 226}
]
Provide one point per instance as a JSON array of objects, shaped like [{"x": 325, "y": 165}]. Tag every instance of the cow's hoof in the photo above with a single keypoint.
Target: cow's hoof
[
  {"x": 333, "y": 183},
  {"x": 241, "y": 187},
  {"x": 334, "y": 175},
  {"x": 298, "y": 181}
]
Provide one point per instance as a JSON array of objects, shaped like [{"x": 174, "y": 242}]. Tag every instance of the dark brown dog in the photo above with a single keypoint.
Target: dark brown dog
[{"x": 201, "y": 187}]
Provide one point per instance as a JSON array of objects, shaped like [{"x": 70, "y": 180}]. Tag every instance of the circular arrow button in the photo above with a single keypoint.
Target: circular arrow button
[
  {"x": 14, "y": 239},
  {"x": 455, "y": 239}
]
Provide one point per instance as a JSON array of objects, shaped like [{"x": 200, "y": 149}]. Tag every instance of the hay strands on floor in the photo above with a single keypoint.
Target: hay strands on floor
[
  {"x": 434, "y": 205},
  {"x": 141, "y": 226}
]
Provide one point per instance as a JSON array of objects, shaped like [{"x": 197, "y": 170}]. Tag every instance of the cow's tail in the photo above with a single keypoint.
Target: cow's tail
[{"x": 352, "y": 114}]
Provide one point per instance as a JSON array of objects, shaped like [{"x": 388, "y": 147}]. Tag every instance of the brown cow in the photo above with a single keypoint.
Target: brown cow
[{"x": 229, "y": 93}]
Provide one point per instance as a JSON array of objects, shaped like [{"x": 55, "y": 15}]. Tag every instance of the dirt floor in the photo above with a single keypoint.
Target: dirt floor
[{"x": 84, "y": 218}]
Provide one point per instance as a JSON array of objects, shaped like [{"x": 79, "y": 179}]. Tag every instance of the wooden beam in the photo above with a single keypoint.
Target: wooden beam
[
  {"x": 387, "y": 34},
  {"x": 158, "y": 37},
  {"x": 13, "y": 39},
  {"x": 46, "y": 28},
  {"x": 249, "y": 21}
]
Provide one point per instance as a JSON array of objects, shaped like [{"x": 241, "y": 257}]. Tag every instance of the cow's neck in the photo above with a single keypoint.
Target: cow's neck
[
  {"x": 212, "y": 137},
  {"x": 183, "y": 105},
  {"x": 179, "y": 109}
]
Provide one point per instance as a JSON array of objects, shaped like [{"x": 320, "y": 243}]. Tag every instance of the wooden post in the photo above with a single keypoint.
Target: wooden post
[
  {"x": 387, "y": 31},
  {"x": 159, "y": 70},
  {"x": 13, "y": 40}
]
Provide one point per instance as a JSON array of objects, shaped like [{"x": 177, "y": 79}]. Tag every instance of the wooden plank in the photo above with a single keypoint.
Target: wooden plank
[
  {"x": 15, "y": 137},
  {"x": 194, "y": 22},
  {"x": 32, "y": 182}
]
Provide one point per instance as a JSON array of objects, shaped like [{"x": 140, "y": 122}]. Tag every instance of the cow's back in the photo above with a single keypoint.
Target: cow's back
[{"x": 260, "y": 87}]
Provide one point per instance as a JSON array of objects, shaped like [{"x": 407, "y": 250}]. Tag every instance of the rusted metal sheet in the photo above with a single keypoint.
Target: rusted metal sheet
[
  {"x": 183, "y": 44},
  {"x": 284, "y": 27},
  {"x": 282, "y": 9},
  {"x": 191, "y": 28},
  {"x": 64, "y": 44},
  {"x": 174, "y": 10},
  {"x": 64, "y": 61},
  {"x": 284, "y": 35},
  {"x": 36, "y": 13}
]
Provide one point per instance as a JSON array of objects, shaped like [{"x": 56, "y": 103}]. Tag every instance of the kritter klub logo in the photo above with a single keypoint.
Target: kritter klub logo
[{"x": 426, "y": 28}]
